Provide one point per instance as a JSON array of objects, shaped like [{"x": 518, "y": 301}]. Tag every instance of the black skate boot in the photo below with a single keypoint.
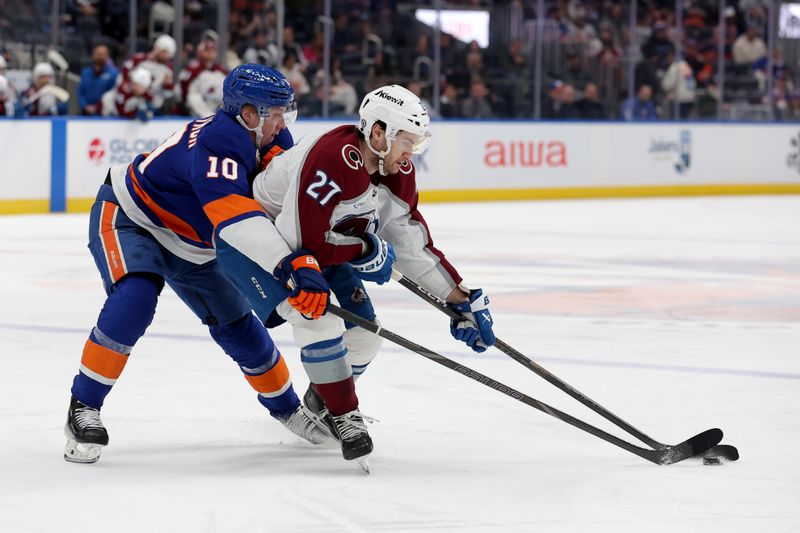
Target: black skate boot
[
  {"x": 318, "y": 412},
  {"x": 352, "y": 432},
  {"x": 301, "y": 423},
  {"x": 85, "y": 433}
]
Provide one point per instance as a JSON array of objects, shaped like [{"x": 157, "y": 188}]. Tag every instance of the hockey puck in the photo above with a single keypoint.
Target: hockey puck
[{"x": 711, "y": 461}]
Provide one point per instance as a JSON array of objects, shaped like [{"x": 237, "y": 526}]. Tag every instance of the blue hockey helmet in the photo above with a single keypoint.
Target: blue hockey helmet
[{"x": 260, "y": 86}]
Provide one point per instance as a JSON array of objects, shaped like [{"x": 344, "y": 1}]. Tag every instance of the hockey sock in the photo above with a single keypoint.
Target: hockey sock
[
  {"x": 328, "y": 368},
  {"x": 339, "y": 397},
  {"x": 249, "y": 344},
  {"x": 126, "y": 314}
]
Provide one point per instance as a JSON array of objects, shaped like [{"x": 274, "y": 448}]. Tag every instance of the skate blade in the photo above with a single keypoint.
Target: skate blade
[
  {"x": 364, "y": 464},
  {"x": 81, "y": 452}
]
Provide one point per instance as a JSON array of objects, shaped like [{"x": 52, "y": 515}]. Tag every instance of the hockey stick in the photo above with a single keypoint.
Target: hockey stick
[
  {"x": 665, "y": 456},
  {"x": 724, "y": 451}
]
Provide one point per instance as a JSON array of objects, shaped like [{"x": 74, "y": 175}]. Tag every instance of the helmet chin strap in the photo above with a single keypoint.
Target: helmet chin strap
[
  {"x": 381, "y": 155},
  {"x": 256, "y": 130}
]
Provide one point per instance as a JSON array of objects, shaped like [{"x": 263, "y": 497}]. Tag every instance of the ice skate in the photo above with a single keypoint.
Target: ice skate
[
  {"x": 302, "y": 425},
  {"x": 319, "y": 413},
  {"x": 86, "y": 435},
  {"x": 352, "y": 432}
]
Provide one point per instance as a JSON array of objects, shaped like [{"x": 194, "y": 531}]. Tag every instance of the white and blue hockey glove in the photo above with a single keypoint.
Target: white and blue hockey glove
[
  {"x": 475, "y": 328},
  {"x": 376, "y": 264}
]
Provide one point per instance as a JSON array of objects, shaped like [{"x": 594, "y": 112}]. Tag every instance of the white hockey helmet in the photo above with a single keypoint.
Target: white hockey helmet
[
  {"x": 166, "y": 43},
  {"x": 43, "y": 69},
  {"x": 141, "y": 77},
  {"x": 400, "y": 110}
]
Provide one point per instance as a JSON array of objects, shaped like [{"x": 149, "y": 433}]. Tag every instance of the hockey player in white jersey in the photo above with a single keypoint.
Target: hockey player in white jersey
[{"x": 349, "y": 197}]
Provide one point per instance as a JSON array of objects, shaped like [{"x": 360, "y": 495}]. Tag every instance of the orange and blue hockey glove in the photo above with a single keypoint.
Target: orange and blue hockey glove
[{"x": 300, "y": 272}]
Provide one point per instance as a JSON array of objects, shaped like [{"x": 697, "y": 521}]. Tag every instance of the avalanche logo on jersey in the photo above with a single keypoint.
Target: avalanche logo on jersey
[
  {"x": 352, "y": 156},
  {"x": 406, "y": 167}
]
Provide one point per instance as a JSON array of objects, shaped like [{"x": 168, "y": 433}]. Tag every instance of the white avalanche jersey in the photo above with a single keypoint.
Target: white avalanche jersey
[{"x": 322, "y": 199}]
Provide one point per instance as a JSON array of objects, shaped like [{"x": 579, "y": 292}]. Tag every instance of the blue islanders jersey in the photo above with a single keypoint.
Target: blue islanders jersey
[{"x": 194, "y": 184}]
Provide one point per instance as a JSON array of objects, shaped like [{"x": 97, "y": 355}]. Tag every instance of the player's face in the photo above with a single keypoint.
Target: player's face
[
  {"x": 273, "y": 124},
  {"x": 401, "y": 152}
]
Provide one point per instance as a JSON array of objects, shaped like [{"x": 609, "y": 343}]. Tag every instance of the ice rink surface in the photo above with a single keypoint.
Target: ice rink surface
[{"x": 677, "y": 314}]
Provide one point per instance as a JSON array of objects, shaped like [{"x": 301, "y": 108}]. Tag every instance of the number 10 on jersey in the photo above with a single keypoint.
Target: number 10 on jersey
[{"x": 230, "y": 168}]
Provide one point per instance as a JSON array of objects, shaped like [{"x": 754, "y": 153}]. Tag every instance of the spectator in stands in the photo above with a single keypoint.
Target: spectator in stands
[
  {"x": 422, "y": 49},
  {"x": 567, "y": 108},
  {"x": 449, "y": 54},
  {"x": 472, "y": 69},
  {"x": 679, "y": 84},
  {"x": 579, "y": 29},
  {"x": 10, "y": 91},
  {"x": 346, "y": 42},
  {"x": 607, "y": 52},
  {"x": 449, "y": 105},
  {"x": 749, "y": 47},
  {"x": 780, "y": 99},
  {"x": 6, "y": 99},
  {"x": 729, "y": 31},
  {"x": 200, "y": 83},
  {"x": 293, "y": 71},
  {"x": 659, "y": 46},
  {"x": 257, "y": 49},
  {"x": 159, "y": 63},
  {"x": 291, "y": 45},
  {"x": 779, "y": 70},
  {"x": 574, "y": 74},
  {"x": 313, "y": 51},
  {"x": 416, "y": 88},
  {"x": 381, "y": 72},
  {"x": 43, "y": 97},
  {"x": 341, "y": 95},
  {"x": 639, "y": 107},
  {"x": 3, "y": 65},
  {"x": 590, "y": 107},
  {"x": 552, "y": 100},
  {"x": 96, "y": 79},
  {"x": 517, "y": 83},
  {"x": 132, "y": 98},
  {"x": 477, "y": 104},
  {"x": 646, "y": 73}
]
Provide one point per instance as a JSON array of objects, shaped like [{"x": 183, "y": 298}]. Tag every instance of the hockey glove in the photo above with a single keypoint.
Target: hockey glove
[
  {"x": 300, "y": 272},
  {"x": 475, "y": 328},
  {"x": 376, "y": 264},
  {"x": 266, "y": 154}
]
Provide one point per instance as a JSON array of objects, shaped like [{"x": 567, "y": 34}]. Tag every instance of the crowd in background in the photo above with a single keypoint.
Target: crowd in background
[{"x": 584, "y": 60}]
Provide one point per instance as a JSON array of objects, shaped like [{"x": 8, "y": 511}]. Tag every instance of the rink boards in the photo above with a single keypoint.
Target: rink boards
[{"x": 57, "y": 164}]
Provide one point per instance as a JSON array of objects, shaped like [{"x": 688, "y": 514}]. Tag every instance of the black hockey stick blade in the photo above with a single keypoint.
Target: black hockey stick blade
[
  {"x": 668, "y": 455},
  {"x": 697, "y": 445},
  {"x": 723, "y": 451}
]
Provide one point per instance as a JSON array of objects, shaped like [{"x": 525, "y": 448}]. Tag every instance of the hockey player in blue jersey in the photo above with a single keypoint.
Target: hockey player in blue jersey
[{"x": 160, "y": 219}]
